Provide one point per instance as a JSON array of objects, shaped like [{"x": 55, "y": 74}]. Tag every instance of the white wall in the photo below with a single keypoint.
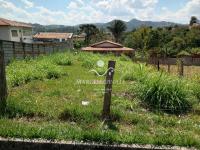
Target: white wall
[
  {"x": 16, "y": 39},
  {"x": 25, "y": 39},
  {"x": 4, "y": 33}
]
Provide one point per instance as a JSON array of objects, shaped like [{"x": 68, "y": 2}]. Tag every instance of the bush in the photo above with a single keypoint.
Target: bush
[
  {"x": 78, "y": 44},
  {"x": 196, "y": 87},
  {"x": 62, "y": 59},
  {"x": 136, "y": 73},
  {"x": 88, "y": 64},
  {"x": 159, "y": 91},
  {"x": 163, "y": 93},
  {"x": 196, "y": 90},
  {"x": 64, "y": 62},
  {"x": 124, "y": 58},
  {"x": 21, "y": 72}
]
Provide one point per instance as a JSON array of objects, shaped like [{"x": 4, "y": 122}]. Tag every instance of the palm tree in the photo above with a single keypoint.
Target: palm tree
[
  {"x": 117, "y": 28},
  {"x": 90, "y": 30}
]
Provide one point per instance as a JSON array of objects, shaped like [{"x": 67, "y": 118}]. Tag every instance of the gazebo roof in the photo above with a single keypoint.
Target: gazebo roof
[{"x": 107, "y": 46}]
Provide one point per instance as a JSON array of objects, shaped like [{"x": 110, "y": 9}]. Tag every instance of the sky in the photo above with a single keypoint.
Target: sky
[{"x": 73, "y": 12}]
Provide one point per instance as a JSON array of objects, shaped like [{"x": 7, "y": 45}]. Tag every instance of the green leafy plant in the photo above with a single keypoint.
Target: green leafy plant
[{"x": 162, "y": 93}]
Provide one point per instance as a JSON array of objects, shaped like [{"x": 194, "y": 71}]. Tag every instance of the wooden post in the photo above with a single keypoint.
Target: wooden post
[
  {"x": 158, "y": 65},
  {"x": 108, "y": 90},
  {"x": 3, "y": 85},
  {"x": 32, "y": 47},
  {"x": 38, "y": 49},
  {"x": 53, "y": 48},
  {"x": 14, "y": 52},
  {"x": 181, "y": 68},
  {"x": 44, "y": 49},
  {"x": 24, "y": 52},
  {"x": 168, "y": 67}
]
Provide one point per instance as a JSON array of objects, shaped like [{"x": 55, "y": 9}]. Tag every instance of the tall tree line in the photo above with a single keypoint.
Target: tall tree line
[{"x": 168, "y": 41}]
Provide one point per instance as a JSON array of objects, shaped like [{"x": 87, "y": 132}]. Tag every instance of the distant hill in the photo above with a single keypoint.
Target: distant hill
[{"x": 132, "y": 24}]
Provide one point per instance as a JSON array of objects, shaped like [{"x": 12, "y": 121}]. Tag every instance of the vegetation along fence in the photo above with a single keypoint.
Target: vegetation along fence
[
  {"x": 19, "y": 50},
  {"x": 187, "y": 61},
  {"x": 184, "y": 66}
]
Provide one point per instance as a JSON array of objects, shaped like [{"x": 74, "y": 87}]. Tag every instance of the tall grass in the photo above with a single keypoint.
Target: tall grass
[
  {"x": 63, "y": 59},
  {"x": 44, "y": 67},
  {"x": 163, "y": 93},
  {"x": 195, "y": 86},
  {"x": 159, "y": 91}
]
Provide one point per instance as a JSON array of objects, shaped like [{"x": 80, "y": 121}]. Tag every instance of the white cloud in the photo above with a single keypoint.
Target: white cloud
[
  {"x": 28, "y": 4},
  {"x": 78, "y": 11},
  {"x": 191, "y": 8}
]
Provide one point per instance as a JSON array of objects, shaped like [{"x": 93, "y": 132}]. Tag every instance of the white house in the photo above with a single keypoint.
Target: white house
[{"x": 15, "y": 31}]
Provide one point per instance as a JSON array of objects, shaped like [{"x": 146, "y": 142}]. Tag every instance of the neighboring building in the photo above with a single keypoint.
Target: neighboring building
[
  {"x": 15, "y": 31},
  {"x": 80, "y": 37},
  {"x": 52, "y": 37},
  {"x": 109, "y": 47}
]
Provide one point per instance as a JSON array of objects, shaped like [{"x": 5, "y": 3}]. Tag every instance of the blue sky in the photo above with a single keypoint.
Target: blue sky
[{"x": 72, "y": 12}]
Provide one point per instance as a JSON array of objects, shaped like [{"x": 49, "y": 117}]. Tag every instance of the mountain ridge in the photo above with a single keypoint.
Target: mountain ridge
[{"x": 132, "y": 24}]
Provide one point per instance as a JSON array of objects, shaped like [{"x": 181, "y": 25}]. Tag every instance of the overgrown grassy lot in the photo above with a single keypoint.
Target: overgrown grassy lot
[{"x": 148, "y": 107}]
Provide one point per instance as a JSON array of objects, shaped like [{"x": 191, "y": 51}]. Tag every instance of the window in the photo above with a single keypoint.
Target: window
[
  {"x": 27, "y": 32},
  {"x": 14, "y": 33}
]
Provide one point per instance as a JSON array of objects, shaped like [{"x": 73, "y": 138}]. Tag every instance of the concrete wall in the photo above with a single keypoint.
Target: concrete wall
[
  {"x": 18, "y": 50},
  {"x": 17, "y": 144}
]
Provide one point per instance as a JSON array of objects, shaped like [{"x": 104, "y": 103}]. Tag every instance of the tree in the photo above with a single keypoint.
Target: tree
[
  {"x": 193, "y": 20},
  {"x": 90, "y": 30},
  {"x": 117, "y": 28},
  {"x": 193, "y": 38},
  {"x": 177, "y": 44},
  {"x": 152, "y": 39}
]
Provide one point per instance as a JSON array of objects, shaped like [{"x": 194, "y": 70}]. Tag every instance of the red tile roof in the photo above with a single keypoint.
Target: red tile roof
[
  {"x": 52, "y": 35},
  {"x": 107, "y": 46},
  {"x": 107, "y": 41},
  {"x": 106, "y": 49},
  {"x": 6, "y": 22}
]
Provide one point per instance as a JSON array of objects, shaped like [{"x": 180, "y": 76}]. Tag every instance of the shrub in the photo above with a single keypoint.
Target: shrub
[
  {"x": 196, "y": 87},
  {"x": 159, "y": 91},
  {"x": 78, "y": 44},
  {"x": 62, "y": 59},
  {"x": 136, "y": 73},
  {"x": 88, "y": 64},
  {"x": 124, "y": 58},
  {"x": 64, "y": 62},
  {"x": 21, "y": 72},
  {"x": 53, "y": 74},
  {"x": 163, "y": 93}
]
